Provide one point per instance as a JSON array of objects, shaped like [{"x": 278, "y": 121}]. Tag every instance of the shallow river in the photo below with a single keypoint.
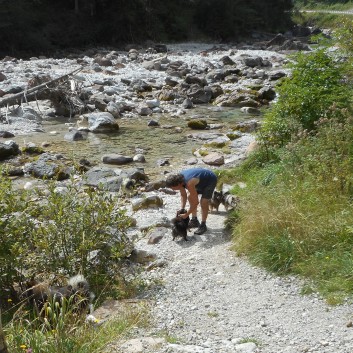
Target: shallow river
[{"x": 134, "y": 134}]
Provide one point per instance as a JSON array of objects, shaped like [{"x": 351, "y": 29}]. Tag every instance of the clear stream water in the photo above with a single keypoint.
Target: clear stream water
[{"x": 156, "y": 142}]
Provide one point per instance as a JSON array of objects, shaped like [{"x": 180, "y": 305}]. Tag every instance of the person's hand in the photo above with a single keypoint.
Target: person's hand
[{"x": 183, "y": 215}]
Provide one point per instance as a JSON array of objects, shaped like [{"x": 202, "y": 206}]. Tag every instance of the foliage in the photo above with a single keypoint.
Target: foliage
[
  {"x": 42, "y": 26},
  {"x": 315, "y": 85},
  {"x": 296, "y": 209},
  {"x": 60, "y": 233},
  {"x": 296, "y": 215},
  {"x": 63, "y": 332}
]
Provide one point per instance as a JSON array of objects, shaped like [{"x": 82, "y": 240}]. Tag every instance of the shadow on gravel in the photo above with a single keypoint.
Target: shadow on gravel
[{"x": 211, "y": 238}]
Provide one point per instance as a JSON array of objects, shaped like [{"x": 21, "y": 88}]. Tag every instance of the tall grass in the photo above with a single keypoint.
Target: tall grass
[
  {"x": 62, "y": 331},
  {"x": 296, "y": 212}
]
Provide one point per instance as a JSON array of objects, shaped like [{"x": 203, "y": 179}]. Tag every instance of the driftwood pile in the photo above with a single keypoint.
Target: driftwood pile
[{"x": 62, "y": 91}]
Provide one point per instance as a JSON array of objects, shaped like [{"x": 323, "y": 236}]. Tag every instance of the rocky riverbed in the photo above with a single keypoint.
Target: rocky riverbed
[{"x": 191, "y": 103}]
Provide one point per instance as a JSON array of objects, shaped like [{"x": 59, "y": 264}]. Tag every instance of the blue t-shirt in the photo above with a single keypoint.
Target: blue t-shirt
[{"x": 205, "y": 176}]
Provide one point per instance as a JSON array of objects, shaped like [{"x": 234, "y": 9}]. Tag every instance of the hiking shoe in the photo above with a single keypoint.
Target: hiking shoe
[
  {"x": 194, "y": 223},
  {"x": 200, "y": 230}
]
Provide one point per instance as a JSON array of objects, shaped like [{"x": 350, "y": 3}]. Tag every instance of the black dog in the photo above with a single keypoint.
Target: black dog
[{"x": 180, "y": 225}]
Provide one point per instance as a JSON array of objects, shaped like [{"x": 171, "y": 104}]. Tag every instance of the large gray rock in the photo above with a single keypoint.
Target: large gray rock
[
  {"x": 101, "y": 122},
  {"x": 104, "y": 178},
  {"x": 8, "y": 149},
  {"x": 253, "y": 61},
  {"x": 48, "y": 166},
  {"x": 214, "y": 158}
]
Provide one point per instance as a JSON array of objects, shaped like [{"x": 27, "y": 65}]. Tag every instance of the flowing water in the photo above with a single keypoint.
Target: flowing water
[{"x": 134, "y": 134}]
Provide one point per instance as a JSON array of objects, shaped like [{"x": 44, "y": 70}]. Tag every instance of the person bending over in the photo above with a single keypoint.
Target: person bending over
[{"x": 191, "y": 183}]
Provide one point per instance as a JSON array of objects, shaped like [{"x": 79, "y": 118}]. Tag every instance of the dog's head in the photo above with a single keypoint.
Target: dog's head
[{"x": 217, "y": 196}]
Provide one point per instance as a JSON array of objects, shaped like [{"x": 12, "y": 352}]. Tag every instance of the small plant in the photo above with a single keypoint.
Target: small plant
[
  {"x": 212, "y": 314},
  {"x": 249, "y": 340},
  {"x": 215, "y": 144},
  {"x": 169, "y": 338}
]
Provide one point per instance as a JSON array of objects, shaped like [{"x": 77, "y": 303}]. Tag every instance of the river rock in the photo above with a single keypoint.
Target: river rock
[
  {"x": 214, "y": 158},
  {"x": 156, "y": 235},
  {"x": 113, "y": 109},
  {"x": 250, "y": 110},
  {"x": 267, "y": 93},
  {"x": 8, "y": 149},
  {"x": 237, "y": 99},
  {"x": 75, "y": 135},
  {"x": 252, "y": 61},
  {"x": 6, "y": 134},
  {"x": 25, "y": 112},
  {"x": 136, "y": 174},
  {"x": 104, "y": 178},
  {"x": 117, "y": 159},
  {"x": 146, "y": 202},
  {"x": 153, "y": 103},
  {"x": 143, "y": 110},
  {"x": 139, "y": 158},
  {"x": 200, "y": 95},
  {"x": 45, "y": 169},
  {"x": 101, "y": 122},
  {"x": 197, "y": 124}
]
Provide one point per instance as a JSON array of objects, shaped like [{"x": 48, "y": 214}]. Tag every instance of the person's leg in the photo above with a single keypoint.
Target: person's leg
[
  {"x": 206, "y": 196},
  {"x": 204, "y": 209}
]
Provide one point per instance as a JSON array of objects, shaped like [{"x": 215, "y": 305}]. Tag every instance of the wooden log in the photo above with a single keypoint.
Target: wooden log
[{"x": 18, "y": 97}]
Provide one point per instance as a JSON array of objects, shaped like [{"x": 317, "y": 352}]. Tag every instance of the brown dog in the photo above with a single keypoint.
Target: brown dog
[
  {"x": 215, "y": 201},
  {"x": 180, "y": 225}
]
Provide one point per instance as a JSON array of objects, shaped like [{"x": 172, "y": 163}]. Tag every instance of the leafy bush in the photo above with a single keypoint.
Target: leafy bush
[
  {"x": 296, "y": 209},
  {"x": 60, "y": 233},
  {"x": 305, "y": 97}
]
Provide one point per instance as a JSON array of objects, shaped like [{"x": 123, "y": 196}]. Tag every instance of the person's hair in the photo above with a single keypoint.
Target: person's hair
[{"x": 174, "y": 180}]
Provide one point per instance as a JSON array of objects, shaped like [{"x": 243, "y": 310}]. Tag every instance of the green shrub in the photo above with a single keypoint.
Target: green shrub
[
  {"x": 295, "y": 213},
  {"x": 61, "y": 233},
  {"x": 314, "y": 86}
]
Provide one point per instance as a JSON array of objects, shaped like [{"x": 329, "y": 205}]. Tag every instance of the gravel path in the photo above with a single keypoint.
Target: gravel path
[{"x": 213, "y": 301}]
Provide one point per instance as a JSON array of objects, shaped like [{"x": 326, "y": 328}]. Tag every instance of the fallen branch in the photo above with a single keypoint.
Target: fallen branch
[{"x": 18, "y": 97}]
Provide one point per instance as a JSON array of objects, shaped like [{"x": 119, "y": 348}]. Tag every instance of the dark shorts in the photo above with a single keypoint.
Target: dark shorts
[{"x": 207, "y": 191}]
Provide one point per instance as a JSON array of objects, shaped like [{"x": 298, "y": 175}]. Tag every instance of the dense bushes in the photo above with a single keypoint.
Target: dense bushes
[
  {"x": 296, "y": 214},
  {"x": 314, "y": 86},
  {"x": 60, "y": 233}
]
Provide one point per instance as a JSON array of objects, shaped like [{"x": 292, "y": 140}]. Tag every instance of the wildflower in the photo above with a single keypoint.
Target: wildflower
[
  {"x": 23, "y": 346},
  {"x": 327, "y": 257},
  {"x": 29, "y": 350},
  {"x": 9, "y": 300}
]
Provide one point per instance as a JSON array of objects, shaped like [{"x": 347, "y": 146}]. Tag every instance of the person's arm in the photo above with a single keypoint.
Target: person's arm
[
  {"x": 193, "y": 197},
  {"x": 183, "y": 198}
]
